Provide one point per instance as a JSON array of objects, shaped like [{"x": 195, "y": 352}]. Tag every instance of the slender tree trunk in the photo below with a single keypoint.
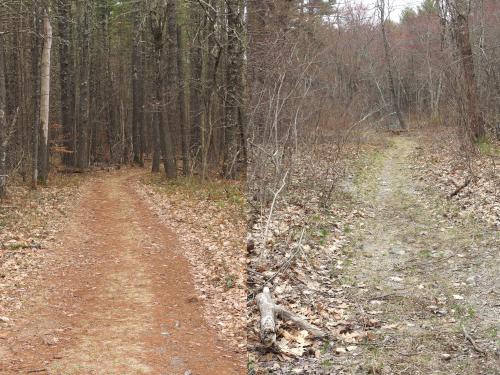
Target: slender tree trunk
[
  {"x": 45, "y": 98},
  {"x": 82, "y": 161},
  {"x": 35, "y": 70},
  {"x": 137, "y": 94},
  {"x": 195, "y": 84},
  {"x": 169, "y": 126},
  {"x": 182, "y": 101},
  {"x": 158, "y": 20},
  {"x": 209, "y": 68},
  {"x": 3, "y": 122},
  {"x": 67, "y": 90}
]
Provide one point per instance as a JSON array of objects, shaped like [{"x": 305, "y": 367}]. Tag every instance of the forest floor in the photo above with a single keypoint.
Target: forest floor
[
  {"x": 403, "y": 278},
  {"x": 111, "y": 293}
]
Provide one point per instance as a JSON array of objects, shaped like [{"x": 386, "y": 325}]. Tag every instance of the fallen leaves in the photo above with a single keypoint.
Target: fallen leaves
[
  {"x": 210, "y": 223},
  {"x": 300, "y": 261},
  {"x": 29, "y": 222}
]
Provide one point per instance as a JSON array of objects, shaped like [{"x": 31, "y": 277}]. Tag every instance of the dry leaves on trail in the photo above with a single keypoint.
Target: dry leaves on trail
[
  {"x": 29, "y": 222},
  {"x": 440, "y": 161},
  {"x": 210, "y": 223},
  {"x": 300, "y": 260}
]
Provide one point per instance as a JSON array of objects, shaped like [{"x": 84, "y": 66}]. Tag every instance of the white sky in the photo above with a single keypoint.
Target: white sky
[{"x": 396, "y": 6}]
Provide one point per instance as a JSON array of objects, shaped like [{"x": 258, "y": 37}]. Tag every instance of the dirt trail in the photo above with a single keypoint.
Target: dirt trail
[
  {"x": 430, "y": 283},
  {"x": 117, "y": 299}
]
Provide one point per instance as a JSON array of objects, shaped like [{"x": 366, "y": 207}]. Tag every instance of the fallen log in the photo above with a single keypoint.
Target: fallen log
[{"x": 269, "y": 311}]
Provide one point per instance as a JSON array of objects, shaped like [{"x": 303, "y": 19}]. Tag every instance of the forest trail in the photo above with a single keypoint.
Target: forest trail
[
  {"x": 427, "y": 283},
  {"x": 118, "y": 298}
]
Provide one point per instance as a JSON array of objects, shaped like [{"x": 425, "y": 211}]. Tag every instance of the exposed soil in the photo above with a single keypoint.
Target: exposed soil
[
  {"x": 404, "y": 280},
  {"x": 428, "y": 280},
  {"x": 116, "y": 297}
]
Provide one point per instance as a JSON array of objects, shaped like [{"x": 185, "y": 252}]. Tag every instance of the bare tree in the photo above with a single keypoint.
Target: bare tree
[
  {"x": 381, "y": 7},
  {"x": 459, "y": 12}
]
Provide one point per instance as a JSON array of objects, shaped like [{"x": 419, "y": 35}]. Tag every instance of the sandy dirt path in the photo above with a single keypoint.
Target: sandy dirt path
[{"x": 117, "y": 298}]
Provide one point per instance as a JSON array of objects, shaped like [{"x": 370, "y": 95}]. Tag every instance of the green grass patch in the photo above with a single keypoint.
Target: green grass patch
[
  {"x": 222, "y": 192},
  {"x": 486, "y": 147}
]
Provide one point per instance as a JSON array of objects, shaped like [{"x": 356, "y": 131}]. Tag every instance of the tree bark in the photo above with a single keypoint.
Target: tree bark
[
  {"x": 195, "y": 84},
  {"x": 35, "y": 70},
  {"x": 475, "y": 119},
  {"x": 169, "y": 126},
  {"x": 158, "y": 21},
  {"x": 137, "y": 93},
  {"x": 182, "y": 100},
  {"x": 45, "y": 98},
  {"x": 234, "y": 153},
  {"x": 3, "y": 122},
  {"x": 67, "y": 89},
  {"x": 82, "y": 160}
]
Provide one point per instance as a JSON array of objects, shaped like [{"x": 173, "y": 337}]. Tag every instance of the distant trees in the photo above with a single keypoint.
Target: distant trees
[
  {"x": 108, "y": 62},
  {"x": 381, "y": 6},
  {"x": 188, "y": 93}
]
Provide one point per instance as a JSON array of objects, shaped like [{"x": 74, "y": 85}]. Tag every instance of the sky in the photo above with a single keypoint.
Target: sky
[{"x": 396, "y": 6}]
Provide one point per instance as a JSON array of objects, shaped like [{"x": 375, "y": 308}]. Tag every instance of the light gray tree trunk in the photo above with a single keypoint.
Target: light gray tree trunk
[
  {"x": 3, "y": 122},
  {"x": 45, "y": 98}
]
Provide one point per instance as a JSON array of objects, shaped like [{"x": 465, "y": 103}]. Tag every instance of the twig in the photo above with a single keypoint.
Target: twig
[
  {"x": 287, "y": 262},
  {"x": 460, "y": 187},
  {"x": 472, "y": 342},
  {"x": 276, "y": 194}
]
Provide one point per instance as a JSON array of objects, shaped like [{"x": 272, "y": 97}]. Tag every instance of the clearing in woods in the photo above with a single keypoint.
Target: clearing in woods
[
  {"x": 425, "y": 282},
  {"x": 117, "y": 299}
]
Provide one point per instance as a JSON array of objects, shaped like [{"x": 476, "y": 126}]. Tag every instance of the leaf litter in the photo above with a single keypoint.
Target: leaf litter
[{"x": 209, "y": 220}]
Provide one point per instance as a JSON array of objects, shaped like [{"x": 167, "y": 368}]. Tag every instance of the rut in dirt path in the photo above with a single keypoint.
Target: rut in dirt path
[
  {"x": 430, "y": 282},
  {"x": 119, "y": 298}
]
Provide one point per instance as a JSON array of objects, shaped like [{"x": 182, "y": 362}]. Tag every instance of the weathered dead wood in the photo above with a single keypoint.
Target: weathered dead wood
[
  {"x": 459, "y": 188},
  {"x": 472, "y": 342},
  {"x": 269, "y": 311}
]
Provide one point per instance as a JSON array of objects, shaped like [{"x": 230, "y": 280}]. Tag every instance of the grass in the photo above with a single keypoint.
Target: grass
[
  {"x": 487, "y": 147},
  {"x": 327, "y": 364},
  {"x": 221, "y": 192}
]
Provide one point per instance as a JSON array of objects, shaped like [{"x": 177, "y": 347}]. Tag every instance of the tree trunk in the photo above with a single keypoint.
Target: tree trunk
[
  {"x": 3, "y": 122},
  {"x": 195, "y": 84},
  {"x": 45, "y": 98},
  {"x": 137, "y": 93},
  {"x": 158, "y": 19},
  {"x": 35, "y": 70},
  {"x": 182, "y": 101},
  {"x": 233, "y": 147},
  {"x": 82, "y": 160},
  {"x": 462, "y": 37},
  {"x": 169, "y": 126},
  {"x": 66, "y": 80}
]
